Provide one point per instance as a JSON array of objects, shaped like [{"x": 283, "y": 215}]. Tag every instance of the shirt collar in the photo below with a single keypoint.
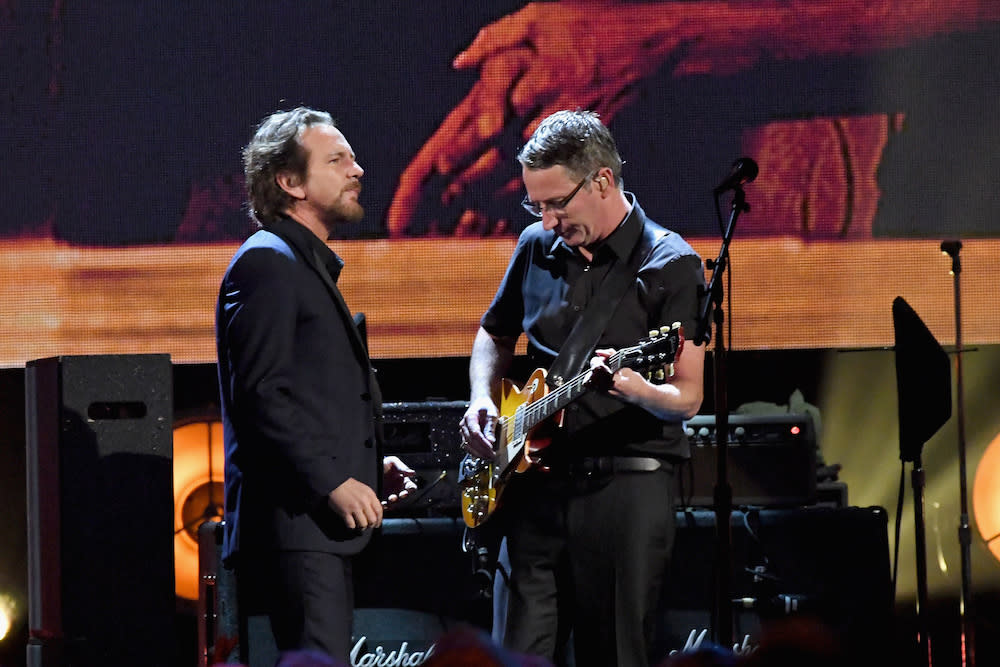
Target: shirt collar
[
  {"x": 310, "y": 245},
  {"x": 620, "y": 242}
]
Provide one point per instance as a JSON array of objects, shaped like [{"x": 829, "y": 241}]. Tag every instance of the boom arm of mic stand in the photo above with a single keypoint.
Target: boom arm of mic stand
[{"x": 722, "y": 616}]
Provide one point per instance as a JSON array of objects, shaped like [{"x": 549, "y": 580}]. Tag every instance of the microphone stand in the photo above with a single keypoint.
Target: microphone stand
[
  {"x": 722, "y": 619},
  {"x": 951, "y": 248},
  {"x": 917, "y": 480}
]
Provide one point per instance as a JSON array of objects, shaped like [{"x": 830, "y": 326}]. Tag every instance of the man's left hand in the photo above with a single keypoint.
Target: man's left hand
[{"x": 624, "y": 384}]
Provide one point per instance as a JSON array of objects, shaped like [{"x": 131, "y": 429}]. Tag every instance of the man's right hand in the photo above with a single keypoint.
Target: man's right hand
[
  {"x": 357, "y": 504},
  {"x": 478, "y": 428}
]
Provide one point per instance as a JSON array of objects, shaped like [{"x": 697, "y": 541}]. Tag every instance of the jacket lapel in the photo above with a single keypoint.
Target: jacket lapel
[
  {"x": 359, "y": 345},
  {"x": 311, "y": 258}
]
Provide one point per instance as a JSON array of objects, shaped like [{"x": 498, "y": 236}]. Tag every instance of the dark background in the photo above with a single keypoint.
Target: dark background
[{"x": 115, "y": 113}]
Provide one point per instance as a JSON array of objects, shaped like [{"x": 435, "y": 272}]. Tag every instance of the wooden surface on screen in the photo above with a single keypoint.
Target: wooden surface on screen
[{"x": 424, "y": 297}]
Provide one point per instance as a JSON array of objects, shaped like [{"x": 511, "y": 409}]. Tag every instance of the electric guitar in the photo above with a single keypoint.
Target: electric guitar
[{"x": 523, "y": 411}]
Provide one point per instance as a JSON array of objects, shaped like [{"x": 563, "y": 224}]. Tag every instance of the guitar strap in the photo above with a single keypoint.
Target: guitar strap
[{"x": 582, "y": 339}]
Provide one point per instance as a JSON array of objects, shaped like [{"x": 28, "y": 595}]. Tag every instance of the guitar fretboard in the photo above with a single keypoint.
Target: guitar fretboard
[
  {"x": 516, "y": 427},
  {"x": 513, "y": 430},
  {"x": 530, "y": 415}
]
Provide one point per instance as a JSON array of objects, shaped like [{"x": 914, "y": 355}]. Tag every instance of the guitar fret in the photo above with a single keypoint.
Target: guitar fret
[
  {"x": 541, "y": 409},
  {"x": 485, "y": 482},
  {"x": 527, "y": 416}
]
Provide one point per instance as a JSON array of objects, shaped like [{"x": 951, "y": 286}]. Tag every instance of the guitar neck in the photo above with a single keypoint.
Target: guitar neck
[
  {"x": 660, "y": 349},
  {"x": 538, "y": 411}
]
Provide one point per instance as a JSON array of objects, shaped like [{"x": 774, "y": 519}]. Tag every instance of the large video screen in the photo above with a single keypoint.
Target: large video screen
[{"x": 875, "y": 125}]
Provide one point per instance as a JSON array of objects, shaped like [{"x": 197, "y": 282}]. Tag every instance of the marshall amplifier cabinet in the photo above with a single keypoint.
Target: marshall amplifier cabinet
[
  {"x": 772, "y": 461},
  {"x": 413, "y": 583},
  {"x": 821, "y": 563}
]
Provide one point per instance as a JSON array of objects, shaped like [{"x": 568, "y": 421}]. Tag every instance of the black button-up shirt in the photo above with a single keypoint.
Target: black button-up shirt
[{"x": 548, "y": 285}]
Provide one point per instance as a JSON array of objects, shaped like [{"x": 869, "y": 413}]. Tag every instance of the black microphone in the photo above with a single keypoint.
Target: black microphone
[{"x": 744, "y": 171}]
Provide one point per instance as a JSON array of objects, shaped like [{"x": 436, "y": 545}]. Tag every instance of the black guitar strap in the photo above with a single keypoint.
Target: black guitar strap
[{"x": 580, "y": 344}]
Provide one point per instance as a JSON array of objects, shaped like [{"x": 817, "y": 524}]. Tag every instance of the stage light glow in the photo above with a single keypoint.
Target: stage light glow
[
  {"x": 198, "y": 494},
  {"x": 861, "y": 432},
  {"x": 8, "y": 611},
  {"x": 986, "y": 497}
]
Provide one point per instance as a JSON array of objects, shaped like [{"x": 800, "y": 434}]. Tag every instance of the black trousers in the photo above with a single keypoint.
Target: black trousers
[
  {"x": 295, "y": 600},
  {"x": 587, "y": 556}
]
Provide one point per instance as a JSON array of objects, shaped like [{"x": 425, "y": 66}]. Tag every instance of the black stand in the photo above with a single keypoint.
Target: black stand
[
  {"x": 722, "y": 619},
  {"x": 923, "y": 382},
  {"x": 920, "y": 541},
  {"x": 951, "y": 248}
]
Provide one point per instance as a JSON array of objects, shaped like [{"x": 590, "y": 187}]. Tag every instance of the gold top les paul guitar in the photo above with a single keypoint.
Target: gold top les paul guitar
[{"x": 523, "y": 410}]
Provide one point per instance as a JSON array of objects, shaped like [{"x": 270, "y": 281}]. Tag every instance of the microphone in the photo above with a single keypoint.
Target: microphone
[{"x": 744, "y": 171}]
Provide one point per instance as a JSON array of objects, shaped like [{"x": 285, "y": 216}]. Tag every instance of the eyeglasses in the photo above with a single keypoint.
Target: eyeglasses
[{"x": 536, "y": 208}]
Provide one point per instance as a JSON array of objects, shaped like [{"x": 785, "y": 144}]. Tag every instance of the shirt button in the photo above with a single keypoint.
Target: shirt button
[{"x": 576, "y": 308}]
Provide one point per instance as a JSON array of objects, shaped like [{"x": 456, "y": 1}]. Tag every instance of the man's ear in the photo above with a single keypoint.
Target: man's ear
[
  {"x": 290, "y": 183},
  {"x": 603, "y": 179}
]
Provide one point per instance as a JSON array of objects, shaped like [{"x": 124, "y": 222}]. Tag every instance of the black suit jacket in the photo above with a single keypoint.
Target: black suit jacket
[{"x": 300, "y": 405}]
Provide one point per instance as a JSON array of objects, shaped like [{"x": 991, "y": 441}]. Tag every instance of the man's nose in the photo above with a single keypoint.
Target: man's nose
[{"x": 549, "y": 220}]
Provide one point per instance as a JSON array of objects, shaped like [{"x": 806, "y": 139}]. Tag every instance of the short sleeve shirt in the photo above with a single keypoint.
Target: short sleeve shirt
[{"x": 546, "y": 288}]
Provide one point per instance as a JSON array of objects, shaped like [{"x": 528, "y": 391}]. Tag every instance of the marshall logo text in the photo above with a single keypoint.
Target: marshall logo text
[{"x": 379, "y": 657}]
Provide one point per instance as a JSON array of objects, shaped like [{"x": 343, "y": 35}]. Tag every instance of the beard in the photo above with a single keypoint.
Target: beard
[{"x": 342, "y": 211}]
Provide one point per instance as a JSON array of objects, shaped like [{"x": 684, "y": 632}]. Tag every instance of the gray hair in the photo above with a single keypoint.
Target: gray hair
[
  {"x": 276, "y": 147},
  {"x": 576, "y": 140}
]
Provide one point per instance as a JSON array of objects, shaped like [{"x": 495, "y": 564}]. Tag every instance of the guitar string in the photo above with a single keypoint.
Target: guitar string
[
  {"x": 614, "y": 361},
  {"x": 529, "y": 413},
  {"x": 532, "y": 409},
  {"x": 543, "y": 404}
]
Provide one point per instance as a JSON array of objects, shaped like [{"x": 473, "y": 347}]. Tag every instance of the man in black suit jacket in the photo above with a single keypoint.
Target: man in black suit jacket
[{"x": 300, "y": 406}]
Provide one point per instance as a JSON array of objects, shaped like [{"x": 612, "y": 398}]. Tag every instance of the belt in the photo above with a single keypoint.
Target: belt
[{"x": 603, "y": 465}]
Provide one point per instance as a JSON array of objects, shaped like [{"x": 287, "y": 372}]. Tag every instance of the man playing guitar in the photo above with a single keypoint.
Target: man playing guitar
[{"x": 589, "y": 527}]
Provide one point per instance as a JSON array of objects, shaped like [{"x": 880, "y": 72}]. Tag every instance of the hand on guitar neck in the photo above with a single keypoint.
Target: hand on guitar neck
[
  {"x": 501, "y": 435},
  {"x": 623, "y": 382}
]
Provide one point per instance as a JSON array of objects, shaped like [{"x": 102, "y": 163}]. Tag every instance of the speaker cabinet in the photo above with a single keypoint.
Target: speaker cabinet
[
  {"x": 412, "y": 583},
  {"x": 831, "y": 564},
  {"x": 100, "y": 510},
  {"x": 415, "y": 582}
]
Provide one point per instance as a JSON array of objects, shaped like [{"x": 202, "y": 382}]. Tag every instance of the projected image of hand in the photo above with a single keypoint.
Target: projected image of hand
[
  {"x": 545, "y": 57},
  {"x": 592, "y": 54}
]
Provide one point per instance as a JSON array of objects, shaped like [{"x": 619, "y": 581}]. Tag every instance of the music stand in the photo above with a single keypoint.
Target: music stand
[{"x": 923, "y": 384}]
